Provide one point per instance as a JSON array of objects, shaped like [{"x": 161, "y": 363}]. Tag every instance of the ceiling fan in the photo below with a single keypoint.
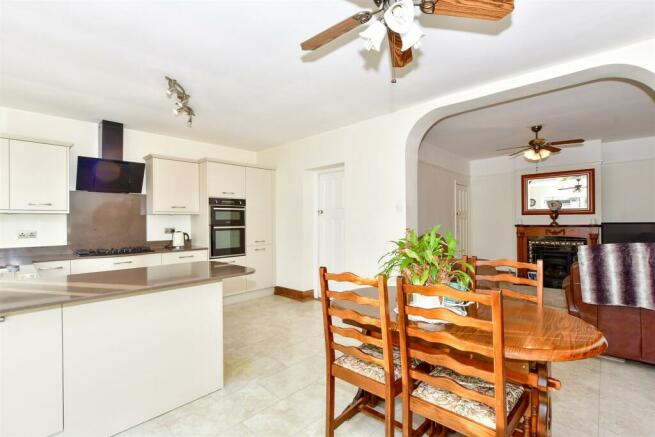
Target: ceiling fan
[
  {"x": 395, "y": 19},
  {"x": 577, "y": 188},
  {"x": 539, "y": 149}
]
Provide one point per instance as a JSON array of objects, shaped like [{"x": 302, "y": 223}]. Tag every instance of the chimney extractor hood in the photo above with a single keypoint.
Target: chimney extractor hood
[{"x": 109, "y": 173}]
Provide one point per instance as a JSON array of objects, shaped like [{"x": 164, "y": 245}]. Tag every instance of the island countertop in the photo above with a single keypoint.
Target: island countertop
[{"x": 33, "y": 294}]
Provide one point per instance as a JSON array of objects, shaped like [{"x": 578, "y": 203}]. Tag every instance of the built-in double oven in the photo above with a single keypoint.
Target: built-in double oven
[{"x": 227, "y": 226}]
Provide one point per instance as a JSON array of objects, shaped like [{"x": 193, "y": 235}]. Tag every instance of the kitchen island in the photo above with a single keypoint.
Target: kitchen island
[{"x": 97, "y": 353}]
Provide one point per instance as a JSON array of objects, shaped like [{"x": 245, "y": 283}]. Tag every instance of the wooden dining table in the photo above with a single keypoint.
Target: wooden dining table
[{"x": 533, "y": 340}]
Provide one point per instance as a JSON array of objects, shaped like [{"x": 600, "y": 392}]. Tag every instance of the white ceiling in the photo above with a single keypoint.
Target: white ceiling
[
  {"x": 240, "y": 60},
  {"x": 609, "y": 110}
]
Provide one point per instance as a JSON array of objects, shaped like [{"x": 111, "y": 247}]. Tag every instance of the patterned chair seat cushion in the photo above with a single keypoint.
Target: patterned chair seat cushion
[
  {"x": 371, "y": 370},
  {"x": 476, "y": 411}
]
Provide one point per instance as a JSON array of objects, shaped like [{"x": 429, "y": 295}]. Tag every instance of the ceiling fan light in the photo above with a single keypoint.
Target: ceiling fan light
[
  {"x": 400, "y": 16},
  {"x": 373, "y": 36},
  {"x": 412, "y": 38},
  {"x": 531, "y": 155}
]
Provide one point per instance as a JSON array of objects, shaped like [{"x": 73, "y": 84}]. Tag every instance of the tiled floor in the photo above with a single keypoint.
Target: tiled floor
[{"x": 274, "y": 385}]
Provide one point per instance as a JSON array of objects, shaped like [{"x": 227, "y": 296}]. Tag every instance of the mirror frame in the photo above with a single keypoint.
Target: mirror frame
[{"x": 591, "y": 191}]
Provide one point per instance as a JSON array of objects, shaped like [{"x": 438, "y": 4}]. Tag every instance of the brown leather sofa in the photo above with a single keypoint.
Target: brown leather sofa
[{"x": 626, "y": 329}]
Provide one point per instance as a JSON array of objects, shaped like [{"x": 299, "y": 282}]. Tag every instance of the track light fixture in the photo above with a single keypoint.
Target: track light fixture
[{"x": 182, "y": 103}]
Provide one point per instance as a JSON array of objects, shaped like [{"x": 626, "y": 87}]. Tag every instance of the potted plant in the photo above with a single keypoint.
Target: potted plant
[{"x": 428, "y": 259}]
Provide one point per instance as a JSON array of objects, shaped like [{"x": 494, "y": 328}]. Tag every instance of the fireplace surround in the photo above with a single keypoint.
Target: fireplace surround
[{"x": 556, "y": 245}]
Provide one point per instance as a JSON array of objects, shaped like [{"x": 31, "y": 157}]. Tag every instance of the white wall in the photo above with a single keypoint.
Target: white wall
[
  {"x": 625, "y": 191},
  {"x": 373, "y": 161},
  {"x": 84, "y": 135},
  {"x": 381, "y": 157},
  {"x": 436, "y": 196},
  {"x": 629, "y": 180}
]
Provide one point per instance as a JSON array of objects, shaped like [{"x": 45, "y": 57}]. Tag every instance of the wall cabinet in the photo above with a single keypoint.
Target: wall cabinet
[
  {"x": 114, "y": 263},
  {"x": 259, "y": 206},
  {"x": 173, "y": 186},
  {"x": 31, "y": 401},
  {"x": 225, "y": 180},
  {"x": 262, "y": 259},
  {"x": 184, "y": 257},
  {"x": 33, "y": 176},
  {"x": 53, "y": 269}
]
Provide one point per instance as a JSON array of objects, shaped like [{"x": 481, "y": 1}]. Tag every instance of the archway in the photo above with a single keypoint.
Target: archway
[{"x": 637, "y": 75}]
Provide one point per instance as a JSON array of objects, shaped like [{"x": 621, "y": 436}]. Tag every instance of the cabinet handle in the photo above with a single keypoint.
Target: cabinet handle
[
  {"x": 39, "y": 204},
  {"x": 43, "y": 269},
  {"x": 178, "y": 207},
  {"x": 258, "y": 250},
  {"x": 187, "y": 256},
  {"x": 123, "y": 262},
  {"x": 260, "y": 241},
  {"x": 229, "y": 192}
]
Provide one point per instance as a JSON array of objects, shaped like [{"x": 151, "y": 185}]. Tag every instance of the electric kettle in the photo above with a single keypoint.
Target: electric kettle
[{"x": 178, "y": 240}]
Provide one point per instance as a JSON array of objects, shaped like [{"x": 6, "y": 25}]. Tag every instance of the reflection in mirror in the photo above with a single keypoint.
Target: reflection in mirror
[{"x": 573, "y": 189}]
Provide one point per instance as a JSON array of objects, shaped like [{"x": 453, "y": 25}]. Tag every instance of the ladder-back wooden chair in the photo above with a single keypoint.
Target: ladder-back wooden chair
[
  {"x": 508, "y": 277},
  {"x": 369, "y": 366},
  {"x": 463, "y": 393}
]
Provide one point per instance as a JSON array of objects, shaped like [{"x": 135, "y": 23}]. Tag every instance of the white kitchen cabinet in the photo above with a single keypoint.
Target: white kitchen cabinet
[
  {"x": 89, "y": 265},
  {"x": 132, "y": 359},
  {"x": 188, "y": 256},
  {"x": 173, "y": 186},
  {"x": 259, "y": 206},
  {"x": 234, "y": 285},
  {"x": 52, "y": 269},
  {"x": 225, "y": 180},
  {"x": 31, "y": 391},
  {"x": 262, "y": 259},
  {"x": 38, "y": 177},
  {"x": 4, "y": 173}
]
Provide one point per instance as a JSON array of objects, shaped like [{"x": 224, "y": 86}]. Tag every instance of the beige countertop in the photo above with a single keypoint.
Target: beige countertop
[{"x": 32, "y": 294}]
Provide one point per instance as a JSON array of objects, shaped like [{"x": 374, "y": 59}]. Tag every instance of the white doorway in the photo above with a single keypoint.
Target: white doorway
[
  {"x": 462, "y": 214},
  {"x": 330, "y": 232}
]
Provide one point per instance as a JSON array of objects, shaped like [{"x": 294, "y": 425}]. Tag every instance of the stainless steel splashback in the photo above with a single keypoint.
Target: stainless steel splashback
[{"x": 105, "y": 220}]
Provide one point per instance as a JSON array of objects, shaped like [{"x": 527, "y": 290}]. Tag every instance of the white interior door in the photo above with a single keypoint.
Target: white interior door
[
  {"x": 330, "y": 213},
  {"x": 462, "y": 218}
]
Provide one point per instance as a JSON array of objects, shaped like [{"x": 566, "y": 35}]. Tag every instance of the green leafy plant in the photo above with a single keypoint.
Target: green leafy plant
[{"x": 427, "y": 260}]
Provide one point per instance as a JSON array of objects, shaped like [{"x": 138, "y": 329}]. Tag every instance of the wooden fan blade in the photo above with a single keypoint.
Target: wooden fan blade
[
  {"x": 336, "y": 31},
  {"x": 399, "y": 58},
  {"x": 559, "y": 143},
  {"x": 480, "y": 9},
  {"x": 551, "y": 149},
  {"x": 511, "y": 148},
  {"x": 512, "y": 155}
]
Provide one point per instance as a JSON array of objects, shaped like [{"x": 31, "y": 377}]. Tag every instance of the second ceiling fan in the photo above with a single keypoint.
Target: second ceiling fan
[
  {"x": 395, "y": 19},
  {"x": 539, "y": 149}
]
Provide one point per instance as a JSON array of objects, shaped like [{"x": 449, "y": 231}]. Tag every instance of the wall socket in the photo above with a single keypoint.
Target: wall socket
[
  {"x": 169, "y": 230},
  {"x": 26, "y": 234}
]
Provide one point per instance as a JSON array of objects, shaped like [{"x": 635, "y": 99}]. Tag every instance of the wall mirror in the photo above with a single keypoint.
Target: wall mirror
[{"x": 575, "y": 189}]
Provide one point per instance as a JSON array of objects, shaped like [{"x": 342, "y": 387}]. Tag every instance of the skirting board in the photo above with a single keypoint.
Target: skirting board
[
  {"x": 248, "y": 295},
  {"x": 298, "y": 295}
]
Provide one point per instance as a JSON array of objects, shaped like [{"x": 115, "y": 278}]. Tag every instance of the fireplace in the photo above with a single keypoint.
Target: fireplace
[
  {"x": 556, "y": 245},
  {"x": 558, "y": 254}
]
